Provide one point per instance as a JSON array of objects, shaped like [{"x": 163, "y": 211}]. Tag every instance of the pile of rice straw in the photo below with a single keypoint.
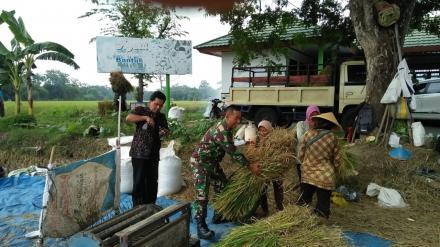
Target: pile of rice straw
[
  {"x": 348, "y": 163},
  {"x": 294, "y": 226},
  {"x": 275, "y": 155}
]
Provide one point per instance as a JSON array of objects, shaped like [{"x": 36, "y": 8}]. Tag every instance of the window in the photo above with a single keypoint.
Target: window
[
  {"x": 357, "y": 75},
  {"x": 420, "y": 88},
  {"x": 434, "y": 88}
]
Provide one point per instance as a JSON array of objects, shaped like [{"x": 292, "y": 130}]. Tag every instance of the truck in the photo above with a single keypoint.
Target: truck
[{"x": 281, "y": 94}]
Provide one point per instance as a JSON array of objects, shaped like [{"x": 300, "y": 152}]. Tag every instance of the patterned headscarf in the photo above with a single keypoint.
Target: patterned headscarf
[{"x": 310, "y": 110}]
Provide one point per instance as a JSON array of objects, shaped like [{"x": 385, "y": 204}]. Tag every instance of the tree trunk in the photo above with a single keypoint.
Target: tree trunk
[
  {"x": 116, "y": 101},
  {"x": 30, "y": 98},
  {"x": 17, "y": 102},
  {"x": 141, "y": 88},
  {"x": 379, "y": 45},
  {"x": 123, "y": 102}
]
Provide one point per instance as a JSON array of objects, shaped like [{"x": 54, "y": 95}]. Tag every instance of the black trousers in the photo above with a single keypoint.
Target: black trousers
[
  {"x": 323, "y": 205},
  {"x": 145, "y": 175},
  {"x": 278, "y": 194}
]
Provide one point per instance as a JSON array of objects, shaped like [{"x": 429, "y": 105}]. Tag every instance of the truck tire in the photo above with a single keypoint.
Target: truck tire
[
  {"x": 266, "y": 113},
  {"x": 349, "y": 117}
]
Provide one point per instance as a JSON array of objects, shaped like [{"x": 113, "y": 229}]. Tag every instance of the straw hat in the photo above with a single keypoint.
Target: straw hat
[{"x": 329, "y": 116}]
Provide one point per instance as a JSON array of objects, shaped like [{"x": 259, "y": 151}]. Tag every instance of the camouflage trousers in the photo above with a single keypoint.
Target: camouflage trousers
[{"x": 205, "y": 174}]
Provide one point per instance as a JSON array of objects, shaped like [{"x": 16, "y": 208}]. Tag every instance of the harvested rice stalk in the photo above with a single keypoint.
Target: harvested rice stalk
[
  {"x": 275, "y": 155},
  {"x": 294, "y": 226},
  {"x": 348, "y": 163}
]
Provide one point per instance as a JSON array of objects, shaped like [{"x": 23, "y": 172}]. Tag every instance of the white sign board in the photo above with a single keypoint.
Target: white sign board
[{"x": 137, "y": 56}]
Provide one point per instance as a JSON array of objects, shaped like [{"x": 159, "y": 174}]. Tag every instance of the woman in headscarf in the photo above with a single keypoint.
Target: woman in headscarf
[
  {"x": 320, "y": 157},
  {"x": 264, "y": 128},
  {"x": 301, "y": 128}
]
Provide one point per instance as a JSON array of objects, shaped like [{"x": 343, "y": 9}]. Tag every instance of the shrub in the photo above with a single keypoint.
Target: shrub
[
  {"x": 104, "y": 107},
  {"x": 26, "y": 121}
]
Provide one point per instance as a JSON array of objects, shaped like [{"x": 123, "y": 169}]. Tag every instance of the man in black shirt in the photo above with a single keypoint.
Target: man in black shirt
[{"x": 151, "y": 124}]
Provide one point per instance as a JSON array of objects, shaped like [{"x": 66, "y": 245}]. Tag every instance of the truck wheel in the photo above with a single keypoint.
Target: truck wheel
[
  {"x": 348, "y": 118},
  {"x": 266, "y": 113}
]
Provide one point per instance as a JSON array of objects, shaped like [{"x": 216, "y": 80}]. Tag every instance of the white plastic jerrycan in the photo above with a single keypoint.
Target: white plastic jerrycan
[{"x": 250, "y": 132}]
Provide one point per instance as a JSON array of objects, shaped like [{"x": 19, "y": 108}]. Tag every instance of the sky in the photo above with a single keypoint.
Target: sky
[{"x": 57, "y": 21}]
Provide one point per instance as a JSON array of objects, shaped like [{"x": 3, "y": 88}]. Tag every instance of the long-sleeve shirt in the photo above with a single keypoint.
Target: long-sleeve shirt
[
  {"x": 213, "y": 146},
  {"x": 319, "y": 160},
  {"x": 146, "y": 141}
]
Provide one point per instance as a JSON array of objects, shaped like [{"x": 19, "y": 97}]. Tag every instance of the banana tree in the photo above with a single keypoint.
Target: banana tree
[
  {"x": 34, "y": 51},
  {"x": 43, "y": 51},
  {"x": 11, "y": 69}
]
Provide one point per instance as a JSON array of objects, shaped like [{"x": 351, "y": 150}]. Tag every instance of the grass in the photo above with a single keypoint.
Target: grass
[{"x": 61, "y": 124}]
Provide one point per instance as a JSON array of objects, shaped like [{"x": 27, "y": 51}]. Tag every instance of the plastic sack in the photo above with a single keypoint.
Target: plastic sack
[
  {"x": 176, "y": 112},
  {"x": 393, "y": 91},
  {"x": 126, "y": 185},
  {"x": 240, "y": 133},
  {"x": 402, "y": 109},
  {"x": 338, "y": 200},
  {"x": 170, "y": 171},
  {"x": 418, "y": 134},
  {"x": 124, "y": 140},
  {"x": 207, "y": 110},
  {"x": 394, "y": 140},
  {"x": 387, "y": 198}
]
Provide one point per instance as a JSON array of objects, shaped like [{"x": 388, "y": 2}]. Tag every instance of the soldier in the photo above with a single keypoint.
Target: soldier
[{"x": 205, "y": 164}]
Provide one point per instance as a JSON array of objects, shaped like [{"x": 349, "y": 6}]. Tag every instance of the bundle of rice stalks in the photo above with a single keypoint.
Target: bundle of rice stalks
[
  {"x": 275, "y": 155},
  {"x": 348, "y": 163},
  {"x": 294, "y": 226}
]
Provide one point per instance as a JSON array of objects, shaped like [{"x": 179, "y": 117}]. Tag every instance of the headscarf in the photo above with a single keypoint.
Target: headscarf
[
  {"x": 266, "y": 124},
  {"x": 310, "y": 110}
]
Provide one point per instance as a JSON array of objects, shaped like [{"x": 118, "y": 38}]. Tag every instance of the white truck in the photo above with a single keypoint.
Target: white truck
[{"x": 282, "y": 94}]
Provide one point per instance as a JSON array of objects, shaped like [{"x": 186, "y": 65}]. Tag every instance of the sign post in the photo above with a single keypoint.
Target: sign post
[{"x": 168, "y": 94}]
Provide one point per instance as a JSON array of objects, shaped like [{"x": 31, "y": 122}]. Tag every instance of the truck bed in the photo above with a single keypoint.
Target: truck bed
[{"x": 282, "y": 96}]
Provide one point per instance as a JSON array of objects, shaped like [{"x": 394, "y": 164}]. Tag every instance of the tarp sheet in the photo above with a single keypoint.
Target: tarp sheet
[
  {"x": 79, "y": 194},
  {"x": 20, "y": 205}
]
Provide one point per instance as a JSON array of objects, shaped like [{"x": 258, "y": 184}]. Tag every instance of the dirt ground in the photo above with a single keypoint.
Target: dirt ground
[{"x": 416, "y": 225}]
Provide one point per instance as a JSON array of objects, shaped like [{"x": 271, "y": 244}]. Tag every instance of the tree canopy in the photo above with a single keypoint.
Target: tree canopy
[{"x": 351, "y": 23}]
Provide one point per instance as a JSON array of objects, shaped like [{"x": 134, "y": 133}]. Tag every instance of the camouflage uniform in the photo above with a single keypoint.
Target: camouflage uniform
[{"x": 205, "y": 164}]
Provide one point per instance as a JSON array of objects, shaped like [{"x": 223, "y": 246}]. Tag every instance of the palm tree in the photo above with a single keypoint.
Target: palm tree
[{"x": 27, "y": 56}]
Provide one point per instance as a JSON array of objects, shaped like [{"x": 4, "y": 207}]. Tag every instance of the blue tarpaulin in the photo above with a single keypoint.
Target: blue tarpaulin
[{"x": 20, "y": 205}]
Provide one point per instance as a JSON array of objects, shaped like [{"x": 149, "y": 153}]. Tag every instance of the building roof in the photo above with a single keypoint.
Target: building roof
[
  {"x": 416, "y": 41},
  {"x": 224, "y": 40}
]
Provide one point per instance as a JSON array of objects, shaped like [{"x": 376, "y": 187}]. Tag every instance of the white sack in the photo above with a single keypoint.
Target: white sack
[
  {"x": 124, "y": 140},
  {"x": 387, "y": 198},
  {"x": 418, "y": 134},
  {"x": 207, "y": 110},
  {"x": 240, "y": 133},
  {"x": 170, "y": 171},
  {"x": 392, "y": 94},
  {"x": 176, "y": 112},
  {"x": 126, "y": 185}
]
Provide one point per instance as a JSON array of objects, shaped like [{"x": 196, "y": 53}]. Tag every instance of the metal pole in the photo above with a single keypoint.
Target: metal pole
[
  {"x": 118, "y": 161},
  {"x": 396, "y": 33},
  {"x": 168, "y": 94}
]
